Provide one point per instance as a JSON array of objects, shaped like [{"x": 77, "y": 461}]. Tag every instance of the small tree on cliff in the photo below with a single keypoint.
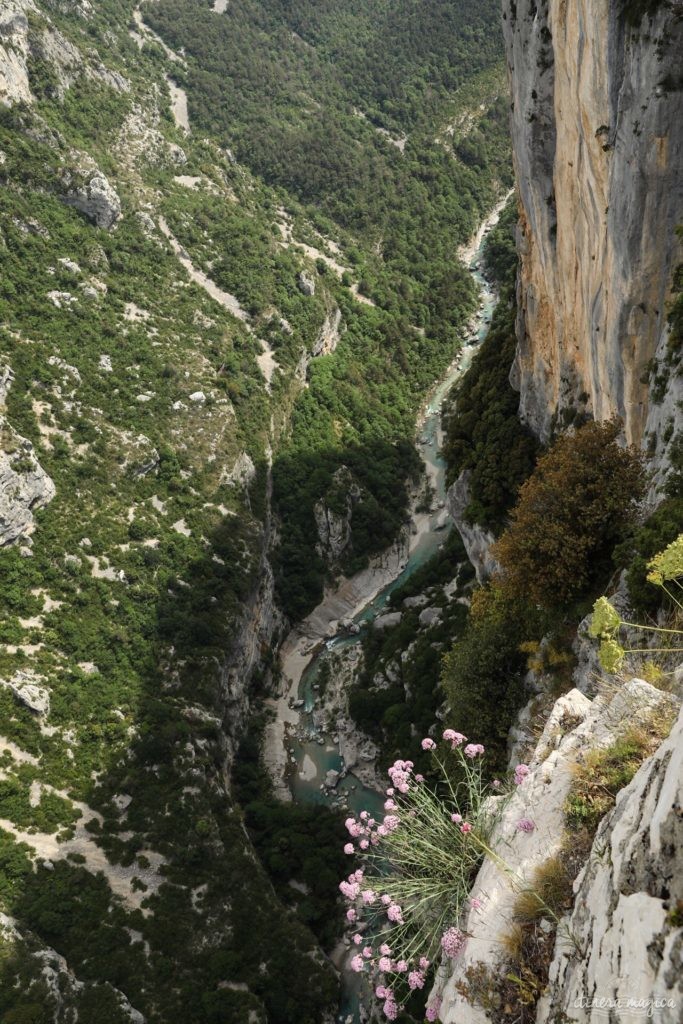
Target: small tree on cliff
[{"x": 571, "y": 512}]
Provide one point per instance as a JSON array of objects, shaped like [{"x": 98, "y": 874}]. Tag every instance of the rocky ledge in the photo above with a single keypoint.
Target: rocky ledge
[{"x": 626, "y": 938}]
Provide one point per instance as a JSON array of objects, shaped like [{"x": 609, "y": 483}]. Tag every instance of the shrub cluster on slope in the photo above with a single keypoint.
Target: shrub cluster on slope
[{"x": 580, "y": 502}]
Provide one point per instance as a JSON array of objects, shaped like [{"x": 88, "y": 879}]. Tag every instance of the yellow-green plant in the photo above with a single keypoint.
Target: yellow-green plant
[{"x": 666, "y": 571}]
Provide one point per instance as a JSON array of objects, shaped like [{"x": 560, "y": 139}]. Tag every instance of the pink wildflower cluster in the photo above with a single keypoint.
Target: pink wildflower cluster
[
  {"x": 521, "y": 772},
  {"x": 400, "y": 773},
  {"x": 525, "y": 825},
  {"x": 368, "y": 832},
  {"x": 384, "y": 963},
  {"x": 453, "y": 942},
  {"x": 432, "y": 1011},
  {"x": 377, "y": 959}
]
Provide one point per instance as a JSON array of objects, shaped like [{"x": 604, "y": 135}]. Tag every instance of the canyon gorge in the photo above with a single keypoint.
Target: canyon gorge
[{"x": 295, "y": 300}]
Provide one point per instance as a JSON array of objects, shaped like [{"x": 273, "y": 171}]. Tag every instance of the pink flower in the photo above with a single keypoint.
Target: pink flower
[
  {"x": 415, "y": 980},
  {"x": 453, "y": 942},
  {"x": 390, "y": 791},
  {"x": 394, "y": 913},
  {"x": 432, "y": 1011},
  {"x": 475, "y": 903},
  {"x": 521, "y": 772},
  {"x": 357, "y": 875},
  {"x": 473, "y": 749},
  {"x": 386, "y": 900},
  {"x": 364, "y": 815},
  {"x": 368, "y": 896},
  {"x": 454, "y": 738},
  {"x": 525, "y": 825},
  {"x": 385, "y": 950},
  {"x": 419, "y": 778},
  {"x": 357, "y": 939},
  {"x": 465, "y": 827},
  {"x": 364, "y": 844},
  {"x": 496, "y": 783},
  {"x": 391, "y": 822},
  {"x": 351, "y": 915},
  {"x": 390, "y": 1009},
  {"x": 380, "y": 992},
  {"x": 367, "y": 952},
  {"x": 401, "y": 967},
  {"x": 389, "y": 805},
  {"x": 349, "y": 889},
  {"x": 348, "y": 848},
  {"x": 384, "y": 963},
  {"x": 424, "y": 963},
  {"x": 400, "y": 775},
  {"x": 456, "y": 818},
  {"x": 357, "y": 963},
  {"x": 428, "y": 744}
]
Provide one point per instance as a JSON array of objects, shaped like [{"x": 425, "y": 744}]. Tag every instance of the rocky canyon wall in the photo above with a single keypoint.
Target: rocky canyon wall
[{"x": 597, "y": 127}]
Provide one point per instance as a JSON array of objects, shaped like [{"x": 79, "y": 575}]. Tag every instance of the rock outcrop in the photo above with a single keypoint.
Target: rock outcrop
[
  {"x": 597, "y": 127},
  {"x": 328, "y": 339},
  {"x": 14, "y": 49},
  {"x": 95, "y": 197},
  {"x": 24, "y": 686},
  {"x": 627, "y": 939},
  {"x": 476, "y": 539},
  {"x": 242, "y": 472},
  {"x": 306, "y": 284},
  {"x": 334, "y": 524},
  {"x": 643, "y": 830},
  {"x": 24, "y": 484},
  {"x": 20, "y": 43}
]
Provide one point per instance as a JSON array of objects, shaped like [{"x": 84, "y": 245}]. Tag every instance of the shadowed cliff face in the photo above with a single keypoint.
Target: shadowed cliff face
[{"x": 597, "y": 127}]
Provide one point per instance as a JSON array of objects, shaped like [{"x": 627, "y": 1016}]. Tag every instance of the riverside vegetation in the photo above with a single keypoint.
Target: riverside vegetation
[{"x": 153, "y": 410}]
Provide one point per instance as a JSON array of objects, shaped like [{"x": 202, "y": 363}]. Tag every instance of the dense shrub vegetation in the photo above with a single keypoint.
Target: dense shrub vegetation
[
  {"x": 130, "y": 599},
  {"x": 484, "y": 436},
  {"x": 398, "y": 214},
  {"x": 580, "y": 502},
  {"x": 571, "y": 513}
]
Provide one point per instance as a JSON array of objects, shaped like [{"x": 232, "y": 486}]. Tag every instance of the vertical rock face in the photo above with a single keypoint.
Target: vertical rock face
[
  {"x": 24, "y": 484},
  {"x": 476, "y": 539},
  {"x": 14, "y": 47},
  {"x": 597, "y": 127},
  {"x": 627, "y": 940}
]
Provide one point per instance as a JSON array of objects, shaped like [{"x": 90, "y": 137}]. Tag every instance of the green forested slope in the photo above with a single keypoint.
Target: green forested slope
[
  {"x": 142, "y": 397},
  {"x": 298, "y": 92}
]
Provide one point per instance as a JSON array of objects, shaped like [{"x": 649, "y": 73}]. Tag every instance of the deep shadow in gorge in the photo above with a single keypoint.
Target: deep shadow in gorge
[{"x": 216, "y": 918}]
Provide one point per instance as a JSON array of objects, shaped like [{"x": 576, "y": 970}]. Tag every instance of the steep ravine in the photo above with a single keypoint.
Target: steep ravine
[
  {"x": 362, "y": 597},
  {"x": 302, "y": 757}
]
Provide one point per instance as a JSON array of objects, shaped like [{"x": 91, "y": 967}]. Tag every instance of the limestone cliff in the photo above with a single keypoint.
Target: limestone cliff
[
  {"x": 24, "y": 484},
  {"x": 622, "y": 940},
  {"x": 597, "y": 126}
]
